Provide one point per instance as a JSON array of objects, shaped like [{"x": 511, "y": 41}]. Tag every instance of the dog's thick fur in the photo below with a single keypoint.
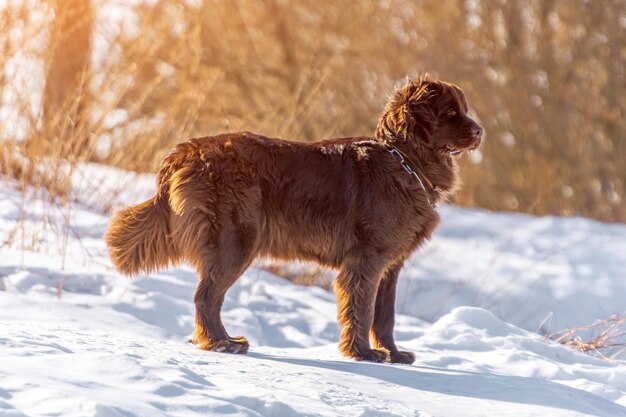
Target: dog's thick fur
[{"x": 345, "y": 203}]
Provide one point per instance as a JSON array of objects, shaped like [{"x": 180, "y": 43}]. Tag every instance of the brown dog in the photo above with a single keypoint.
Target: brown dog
[{"x": 359, "y": 204}]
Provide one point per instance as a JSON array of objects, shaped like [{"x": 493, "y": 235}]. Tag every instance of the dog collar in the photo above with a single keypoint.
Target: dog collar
[{"x": 398, "y": 155}]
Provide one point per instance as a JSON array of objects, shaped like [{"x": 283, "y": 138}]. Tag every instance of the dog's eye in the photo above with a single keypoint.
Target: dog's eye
[{"x": 450, "y": 114}]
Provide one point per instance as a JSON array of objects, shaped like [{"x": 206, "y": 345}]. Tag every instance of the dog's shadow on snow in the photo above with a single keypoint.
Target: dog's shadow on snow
[{"x": 483, "y": 385}]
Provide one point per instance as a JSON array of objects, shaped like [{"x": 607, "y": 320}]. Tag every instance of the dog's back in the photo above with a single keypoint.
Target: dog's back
[{"x": 264, "y": 196}]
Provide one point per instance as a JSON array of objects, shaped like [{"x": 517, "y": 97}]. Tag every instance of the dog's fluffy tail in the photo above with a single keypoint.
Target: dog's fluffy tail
[{"x": 138, "y": 237}]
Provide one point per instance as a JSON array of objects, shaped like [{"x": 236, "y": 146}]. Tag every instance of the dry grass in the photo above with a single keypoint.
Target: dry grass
[
  {"x": 603, "y": 338},
  {"x": 550, "y": 93}
]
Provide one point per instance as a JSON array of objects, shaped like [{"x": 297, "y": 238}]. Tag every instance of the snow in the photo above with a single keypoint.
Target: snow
[
  {"x": 525, "y": 269},
  {"x": 78, "y": 339}
]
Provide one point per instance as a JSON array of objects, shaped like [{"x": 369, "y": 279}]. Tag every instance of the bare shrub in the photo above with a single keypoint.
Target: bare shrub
[{"x": 603, "y": 338}]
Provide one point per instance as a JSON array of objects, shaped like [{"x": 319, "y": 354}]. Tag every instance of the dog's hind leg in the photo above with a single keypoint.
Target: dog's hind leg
[
  {"x": 221, "y": 263},
  {"x": 210, "y": 333},
  {"x": 356, "y": 287},
  {"x": 384, "y": 318}
]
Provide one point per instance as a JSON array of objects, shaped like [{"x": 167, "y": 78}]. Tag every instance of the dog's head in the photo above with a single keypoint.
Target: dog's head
[{"x": 432, "y": 114}]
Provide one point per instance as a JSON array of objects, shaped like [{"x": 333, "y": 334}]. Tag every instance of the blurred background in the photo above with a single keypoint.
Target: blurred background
[{"x": 120, "y": 82}]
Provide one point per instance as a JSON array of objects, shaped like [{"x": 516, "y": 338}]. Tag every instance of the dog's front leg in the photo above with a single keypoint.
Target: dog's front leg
[
  {"x": 355, "y": 289},
  {"x": 384, "y": 318}
]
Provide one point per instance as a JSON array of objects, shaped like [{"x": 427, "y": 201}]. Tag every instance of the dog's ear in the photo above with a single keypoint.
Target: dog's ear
[
  {"x": 411, "y": 112},
  {"x": 462, "y": 98},
  {"x": 421, "y": 108},
  {"x": 422, "y": 104}
]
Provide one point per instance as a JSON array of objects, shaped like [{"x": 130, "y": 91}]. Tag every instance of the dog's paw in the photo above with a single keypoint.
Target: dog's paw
[
  {"x": 401, "y": 356},
  {"x": 237, "y": 344},
  {"x": 373, "y": 355}
]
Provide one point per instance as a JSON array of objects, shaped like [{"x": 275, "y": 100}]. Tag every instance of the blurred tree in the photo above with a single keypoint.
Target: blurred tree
[
  {"x": 66, "y": 82},
  {"x": 554, "y": 83}
]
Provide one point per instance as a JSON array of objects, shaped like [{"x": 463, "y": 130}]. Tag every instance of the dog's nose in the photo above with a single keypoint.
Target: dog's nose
[{"x": 477, "y": 131}]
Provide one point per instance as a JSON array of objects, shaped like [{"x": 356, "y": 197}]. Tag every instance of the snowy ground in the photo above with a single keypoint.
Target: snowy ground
[{"x": 77, "y": 339}]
